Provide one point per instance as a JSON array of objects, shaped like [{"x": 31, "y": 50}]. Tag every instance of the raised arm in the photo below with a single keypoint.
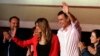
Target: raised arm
[
  {"x": 65, "y": 9},
  {"x": 73, "y": 19}
]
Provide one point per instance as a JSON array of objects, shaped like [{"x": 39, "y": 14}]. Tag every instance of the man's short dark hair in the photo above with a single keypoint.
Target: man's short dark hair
[
  {"x": 14, "y": 17},
  {"x": 61, "y": 12}
]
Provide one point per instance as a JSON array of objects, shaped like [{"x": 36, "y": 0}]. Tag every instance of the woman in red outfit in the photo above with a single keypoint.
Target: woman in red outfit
[{"x": 44, "y": 43}]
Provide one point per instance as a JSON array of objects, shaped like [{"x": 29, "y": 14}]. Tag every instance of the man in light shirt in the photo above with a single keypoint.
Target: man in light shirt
[{"x": 69, "y": 32}]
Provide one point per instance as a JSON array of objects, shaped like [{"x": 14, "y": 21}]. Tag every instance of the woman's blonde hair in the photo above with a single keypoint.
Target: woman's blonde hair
[{"x": 44, "y": 25}]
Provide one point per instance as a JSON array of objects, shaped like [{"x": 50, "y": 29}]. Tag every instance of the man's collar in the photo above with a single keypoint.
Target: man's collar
[{"x": 68, "y": 27}]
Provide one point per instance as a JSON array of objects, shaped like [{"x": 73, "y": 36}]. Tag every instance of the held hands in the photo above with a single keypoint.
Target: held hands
[{"x": 92, "y": 50}]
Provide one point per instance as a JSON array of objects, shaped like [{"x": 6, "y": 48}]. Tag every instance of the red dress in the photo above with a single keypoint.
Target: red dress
[{"x": 54, "y": 50}]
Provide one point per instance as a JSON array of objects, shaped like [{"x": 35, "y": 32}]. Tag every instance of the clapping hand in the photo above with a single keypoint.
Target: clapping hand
[
  {"x": 6, "y": 36},
  {"x": 92, "y": 50}
]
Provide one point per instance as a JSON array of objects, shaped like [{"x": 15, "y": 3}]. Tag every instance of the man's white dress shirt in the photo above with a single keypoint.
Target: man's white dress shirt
[{"x": 69, "y": 39}]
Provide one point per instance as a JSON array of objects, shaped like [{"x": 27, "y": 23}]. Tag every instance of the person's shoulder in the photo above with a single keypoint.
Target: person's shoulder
[
  {"x": 75, "y": 32},
  {"x": 59, "y": 30},
  {"x": 74, "y": 29},
  {"x": 54, "y": 36}
]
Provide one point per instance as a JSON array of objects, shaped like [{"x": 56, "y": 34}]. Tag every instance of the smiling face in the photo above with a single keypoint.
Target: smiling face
[
  {"x": 94, "y": 38},
  {"x": 14, "y": 23},
  {"x": 63, "y": 21}
]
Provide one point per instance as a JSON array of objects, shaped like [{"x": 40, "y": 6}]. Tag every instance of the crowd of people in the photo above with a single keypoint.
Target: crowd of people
[{"x": 44, "y": 42}]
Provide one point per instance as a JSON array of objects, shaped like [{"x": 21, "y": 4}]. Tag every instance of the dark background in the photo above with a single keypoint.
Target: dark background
[{"x": 26, "y": 33}]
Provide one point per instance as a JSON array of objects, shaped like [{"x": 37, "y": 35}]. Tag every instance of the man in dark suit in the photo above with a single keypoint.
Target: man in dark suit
[{"x": 12, "y": 49}]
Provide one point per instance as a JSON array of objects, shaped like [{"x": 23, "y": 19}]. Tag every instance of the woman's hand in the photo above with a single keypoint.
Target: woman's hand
[{"x": 92, "y": 50}]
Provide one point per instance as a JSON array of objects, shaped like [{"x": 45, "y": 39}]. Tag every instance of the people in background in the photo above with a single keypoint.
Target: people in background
[
  {"x": 83, "y": 49},
  {"x": 45, "y": 43},
  {"x": 11, "y": 49},
  {"x": 69, "y": 33},
  {"x": 95, "y": 40}
]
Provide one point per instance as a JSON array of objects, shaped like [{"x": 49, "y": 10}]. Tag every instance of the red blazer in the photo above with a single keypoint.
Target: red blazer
[{"x": 55, "y": 47}]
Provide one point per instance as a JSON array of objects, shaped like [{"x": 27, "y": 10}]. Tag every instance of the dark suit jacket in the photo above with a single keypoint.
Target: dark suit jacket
[
  {"x": 98, "y": 50},
  {"x": 14, "y": 49}
]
